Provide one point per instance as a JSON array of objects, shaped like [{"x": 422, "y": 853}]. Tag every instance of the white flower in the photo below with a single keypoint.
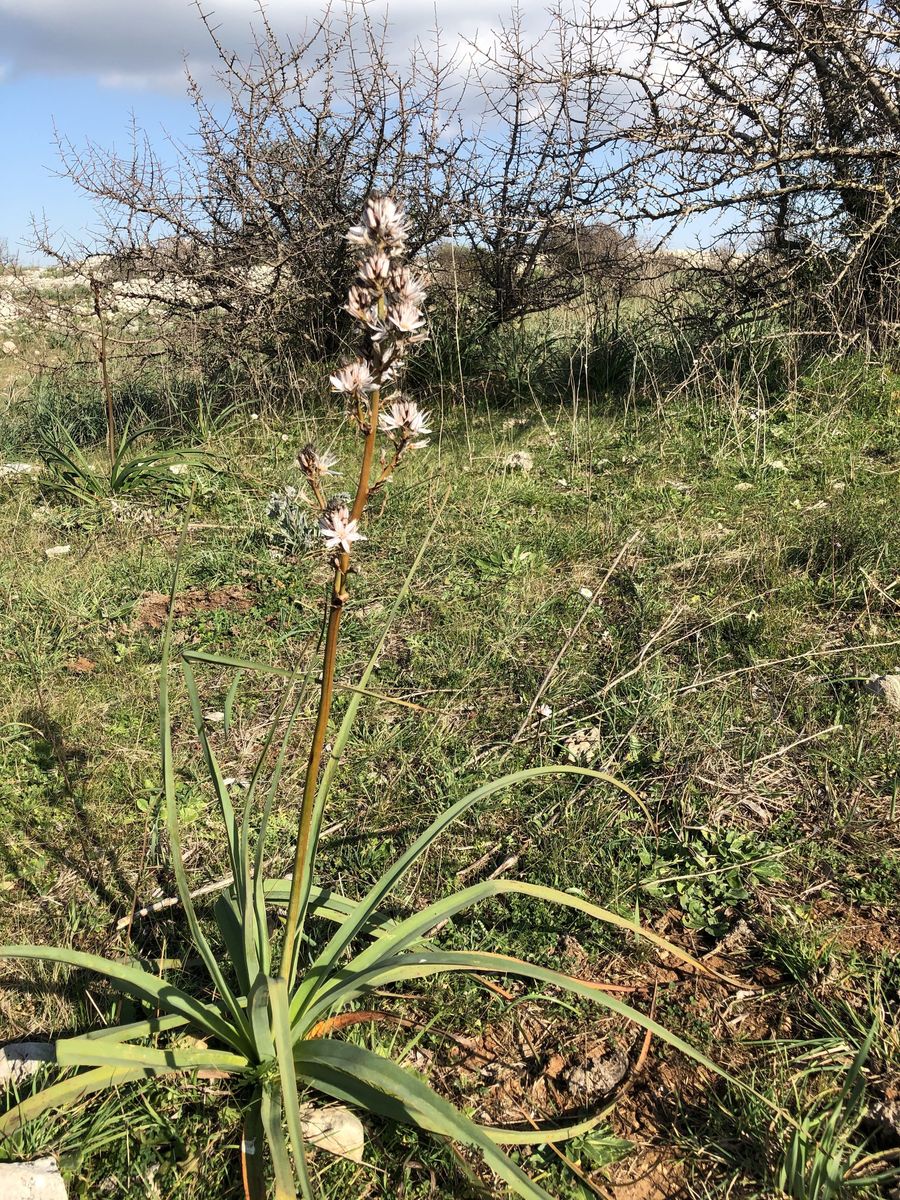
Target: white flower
[
  {"x": 404, "y": 419},
  {"x": 355, "y": 379},
  {"x": 375, "y": 270},
  {"x": 360, "y": 305},
  {"x": 406, "y": 317},
  {"x": 407, "y": 287},
  {"x": 315, "y": 465},
  {"x": 338, "y": 530},
  {"x": 384, "y": 224}
]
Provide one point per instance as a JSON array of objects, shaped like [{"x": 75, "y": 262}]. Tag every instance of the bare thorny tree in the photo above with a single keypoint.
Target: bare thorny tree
[
  {"x": 240, "y": 235},
  {"x": 770, "y": 131},
  {"x": 773, "y": 128},
  {"x": 540, "y": 169}
]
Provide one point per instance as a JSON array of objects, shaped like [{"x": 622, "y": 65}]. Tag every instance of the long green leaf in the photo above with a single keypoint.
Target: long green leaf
[
  {"x": 242, "y": 664},
  {"x": 252, "y": 1158},
  {"x": 135, "y": 982},
  {"x": 173, "y": 827},
  {"x": 135, "y": 1029},
  {"x": 270, "y": 1116},
  {"x": 69, "y": 1092},
  {"x": 344, "y": 935},
  {"x": 356, "y": 1074},
  {"x": 414, "y": 928},
  {"x": 260, "y": 1022},
  {"x": 80, "y": 1052},
  {"x": 243, "y": 958},
  {"x": 287, "y": 1073},
  {"x": 420, "y": 965},
  {"x": 218, "y": 781}
]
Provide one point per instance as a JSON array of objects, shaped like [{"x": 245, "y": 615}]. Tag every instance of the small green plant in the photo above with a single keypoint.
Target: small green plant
[
  {"x": 497, "y": 565},
  {"x": 133, "y": 469},
  {"x": 293, "y": 527},
  {"x": 826, "y": 1156},
  {"x": 709, "y": 875},
  {"x": 275, "y": 1006}
]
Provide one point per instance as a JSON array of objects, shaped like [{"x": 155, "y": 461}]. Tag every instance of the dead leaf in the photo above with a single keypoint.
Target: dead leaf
[{"x": 80, "y": 666}]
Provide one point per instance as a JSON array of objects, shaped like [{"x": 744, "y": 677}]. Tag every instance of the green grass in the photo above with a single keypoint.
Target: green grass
[{"x": 751, "y": 573}]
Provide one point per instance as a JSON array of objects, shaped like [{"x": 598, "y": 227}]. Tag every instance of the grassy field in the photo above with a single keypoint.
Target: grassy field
[{"x": 689, "y": 595}]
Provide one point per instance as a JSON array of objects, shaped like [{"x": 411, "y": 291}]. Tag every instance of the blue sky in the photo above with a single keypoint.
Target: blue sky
[
  {"x": 82, "y": 109},
  {"x": 83, "y": 67}
]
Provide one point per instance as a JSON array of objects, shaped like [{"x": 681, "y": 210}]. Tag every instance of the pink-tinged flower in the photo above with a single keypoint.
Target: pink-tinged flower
[
  {"x": 375, "y": 270},
  {"x": 360, "y": 305},
  {"x": 407, "y": 287},
  {"x": 356, "y": 379},
  {"x": 384, "y": 224},
  {"x": 404, "y": 420},
  {"x": 405, "y": 317},
  {"x": 315, "y": 465},
  {"x": 389, "y": 354},
  {"x": 338, "y": 530}
]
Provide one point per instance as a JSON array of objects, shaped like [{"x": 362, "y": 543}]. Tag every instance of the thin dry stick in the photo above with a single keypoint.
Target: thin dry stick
[
  {"x": 551, "y": 671},
  {"x": 780, "y": 662},
  {"x": 782, "y": 750},
  {"x": 645, "y": 656}
]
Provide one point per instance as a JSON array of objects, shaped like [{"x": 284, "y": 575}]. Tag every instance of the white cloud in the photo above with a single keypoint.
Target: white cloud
[{"x": 144, "y": 43}]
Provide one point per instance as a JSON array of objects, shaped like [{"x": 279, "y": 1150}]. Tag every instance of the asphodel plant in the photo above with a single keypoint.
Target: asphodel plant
[{"x": 275, "y": 1011}]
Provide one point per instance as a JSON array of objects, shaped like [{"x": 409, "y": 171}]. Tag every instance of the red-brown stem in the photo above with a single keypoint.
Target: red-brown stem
[
  {"x": 303, "y": 858},
  {"x": 104, "y": 376}
]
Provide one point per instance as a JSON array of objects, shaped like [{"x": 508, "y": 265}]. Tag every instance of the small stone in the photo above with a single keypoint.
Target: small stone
[
  {"x": 738, "y": 941},
  {"x": 17, "y": 470},
  {"x": 887, "y": 687},
  {"x": 214, "y": 717},
  {"x": 57, "y": 551},
  {"x": 597, "y": 1075},
  {"x": 743, "y": 486},
  {"x": 19, "y": 1060},
  {"x": 9, "y": 347},
  {"x": 519, "y": 460},
  {"x": 585, "y": 744},
  {"x": 335, "y": 1129},
  {"x": 586, "y": 593},
  {"x": 37, "y": 1180}
]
